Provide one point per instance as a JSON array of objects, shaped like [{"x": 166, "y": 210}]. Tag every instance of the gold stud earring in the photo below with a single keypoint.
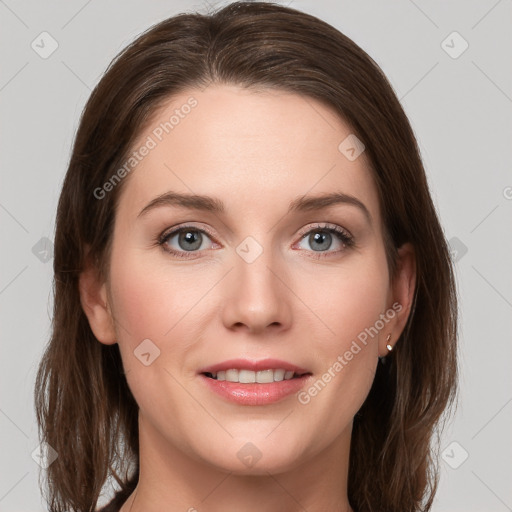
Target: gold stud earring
[{"x": 388, "y": 345}]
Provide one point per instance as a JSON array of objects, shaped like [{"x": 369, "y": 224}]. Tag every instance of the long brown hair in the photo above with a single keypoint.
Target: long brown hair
[{"x": 85, "y": 410}]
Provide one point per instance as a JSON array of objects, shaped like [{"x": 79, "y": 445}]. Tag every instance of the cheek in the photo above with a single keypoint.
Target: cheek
[
  {"x": 151, "y": 300},
  {"x": 361, "y": 300},
  {"x": 349, "y": 303},
  {"x": 345, "y": 301}
]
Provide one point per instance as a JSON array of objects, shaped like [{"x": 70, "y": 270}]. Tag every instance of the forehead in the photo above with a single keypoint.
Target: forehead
[{"x": 255, "y": 150}]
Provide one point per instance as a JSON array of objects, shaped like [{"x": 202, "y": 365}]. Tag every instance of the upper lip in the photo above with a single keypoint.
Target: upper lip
[{"x": 247, "y": 364}]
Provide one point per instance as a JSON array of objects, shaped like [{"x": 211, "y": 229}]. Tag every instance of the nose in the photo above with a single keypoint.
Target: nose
[{"x": 257, "y": 298}]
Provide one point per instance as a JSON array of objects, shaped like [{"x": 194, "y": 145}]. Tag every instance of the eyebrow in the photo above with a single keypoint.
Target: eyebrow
[{"x": 214, "y": 205}]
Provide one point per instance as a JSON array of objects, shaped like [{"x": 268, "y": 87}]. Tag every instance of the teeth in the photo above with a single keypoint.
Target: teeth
[
  {"x": 265, "y": 376},
  {"x": 232, "y": 375},
  {"x": 248, "y": 376}
]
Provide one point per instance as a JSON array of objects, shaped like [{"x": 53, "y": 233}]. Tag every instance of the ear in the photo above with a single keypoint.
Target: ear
[
  {"x": 400, "y": 298},
  {"x": 94, "y": 300}
]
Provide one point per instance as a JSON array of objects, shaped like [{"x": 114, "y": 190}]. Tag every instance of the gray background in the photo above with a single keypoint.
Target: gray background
[{"x": 460, "y": 109}]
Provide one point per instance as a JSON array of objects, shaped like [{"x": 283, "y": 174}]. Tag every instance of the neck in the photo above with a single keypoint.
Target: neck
[{"x": 170, "y": 479}]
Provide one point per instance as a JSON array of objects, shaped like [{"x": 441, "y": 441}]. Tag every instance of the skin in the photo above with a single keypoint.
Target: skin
[{"x": 256, "y": 151}]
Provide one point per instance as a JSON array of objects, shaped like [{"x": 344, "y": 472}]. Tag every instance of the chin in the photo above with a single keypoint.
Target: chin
[{"x": 252, "y": 457}]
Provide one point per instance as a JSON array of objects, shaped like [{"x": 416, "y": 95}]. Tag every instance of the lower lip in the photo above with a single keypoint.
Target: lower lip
[{"x": 255, "y": 393}]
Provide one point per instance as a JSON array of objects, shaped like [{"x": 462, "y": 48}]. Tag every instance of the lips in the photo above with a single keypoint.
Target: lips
[
  {"x": 255, "y": 394},
  {"x": 254, "y": 387},
  {"x": 255, "y": 366}
]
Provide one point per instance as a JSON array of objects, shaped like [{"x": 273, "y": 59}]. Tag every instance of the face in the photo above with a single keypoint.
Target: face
[{"x": 268, "y": 274}]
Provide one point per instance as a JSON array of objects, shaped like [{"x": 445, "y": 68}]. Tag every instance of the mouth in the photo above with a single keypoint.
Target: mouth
[
  {"x": 243, "y": 376},
  {"x": 247, "y": 382}
]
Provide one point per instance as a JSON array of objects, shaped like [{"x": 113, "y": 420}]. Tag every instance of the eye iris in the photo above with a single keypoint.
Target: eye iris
[
  {"x": 320, "y": 237},
  {"x": 191, "y": 237}
]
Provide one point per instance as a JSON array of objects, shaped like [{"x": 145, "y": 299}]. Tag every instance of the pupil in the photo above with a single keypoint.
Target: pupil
[
  {"x": 191, "y": 237},
  {"x": 321, "y": 237}
]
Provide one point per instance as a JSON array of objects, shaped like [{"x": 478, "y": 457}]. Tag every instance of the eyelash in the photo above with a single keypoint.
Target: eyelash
[{"x": 343, "y": 236}]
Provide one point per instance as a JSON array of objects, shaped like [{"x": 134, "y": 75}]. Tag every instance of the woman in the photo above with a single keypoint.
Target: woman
[{"x": 254, "y": 300}]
